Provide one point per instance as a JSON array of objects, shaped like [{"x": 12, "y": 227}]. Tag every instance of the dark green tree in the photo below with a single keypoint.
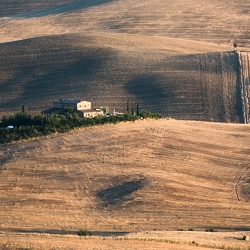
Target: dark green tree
[
  {"x": 137, "y": 108},
  {"x": 128, "y": 107}
]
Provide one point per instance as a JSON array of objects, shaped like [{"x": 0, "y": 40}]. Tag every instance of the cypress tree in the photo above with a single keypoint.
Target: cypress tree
[
  {"x": 128, "y": 107},
  {"x": 137, "y": 108}
]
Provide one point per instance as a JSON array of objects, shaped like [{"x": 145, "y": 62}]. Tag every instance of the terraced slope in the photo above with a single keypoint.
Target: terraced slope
[
  {"x": 141, "y": 176},
  {"x": 112, "y": 69}
]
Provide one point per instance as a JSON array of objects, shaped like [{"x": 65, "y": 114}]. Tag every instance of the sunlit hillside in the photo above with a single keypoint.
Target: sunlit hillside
[
  {"x": 152, "y": 184},
  {"x": 132, "y": 177},
  {"x": 214, "y": 21}
]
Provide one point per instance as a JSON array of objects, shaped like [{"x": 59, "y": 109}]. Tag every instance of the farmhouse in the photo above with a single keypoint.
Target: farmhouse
[{"x": 83, "y": 108}]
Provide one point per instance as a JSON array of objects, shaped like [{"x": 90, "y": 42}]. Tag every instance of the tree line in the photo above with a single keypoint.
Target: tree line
[{"x": 23, "y": 126}]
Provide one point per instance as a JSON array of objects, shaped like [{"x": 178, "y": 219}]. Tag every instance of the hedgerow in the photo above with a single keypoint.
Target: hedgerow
[{"x": 24, "y": 126}]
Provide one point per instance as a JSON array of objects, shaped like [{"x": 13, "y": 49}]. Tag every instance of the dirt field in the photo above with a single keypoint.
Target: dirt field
[{"x": 131, "y": 177}]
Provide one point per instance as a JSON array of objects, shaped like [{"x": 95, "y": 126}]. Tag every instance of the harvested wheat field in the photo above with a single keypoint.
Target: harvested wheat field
[
  {"x": 175, "y": 57},
  {"x": 109, "y": 70},
  {"x": 214, "y": 21},
  {"x": 151, "y": 175},
  {"x": 151, "y": 184},
  {"x": 147, "y": 241}
]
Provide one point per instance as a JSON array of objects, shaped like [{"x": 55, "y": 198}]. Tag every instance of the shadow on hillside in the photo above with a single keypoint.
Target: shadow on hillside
[
  {"x": 68, "y": 232},
  {"x": 244, "y": 187},
  {"x": 230, "y": 228},
  {"x": 119, "y": 194},
  {"x": 148, "y": 89},
  {"x": 76, "y": 5},
  {"x": 57, "y": 72}
]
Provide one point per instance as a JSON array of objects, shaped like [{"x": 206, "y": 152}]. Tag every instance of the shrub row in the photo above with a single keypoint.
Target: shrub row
[{"x": 25, "y": 126}]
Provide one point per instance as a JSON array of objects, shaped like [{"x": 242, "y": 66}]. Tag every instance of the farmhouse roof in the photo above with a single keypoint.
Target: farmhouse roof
[{"x": 68, "y": 101}]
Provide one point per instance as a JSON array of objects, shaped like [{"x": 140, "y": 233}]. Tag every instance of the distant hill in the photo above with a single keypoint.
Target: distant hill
[
  {"x": 176, "y": 58},
  {"x": 213, "y": 21},
  {"x": 10, "y": 8},
  {"x": 110, "y": 71}
]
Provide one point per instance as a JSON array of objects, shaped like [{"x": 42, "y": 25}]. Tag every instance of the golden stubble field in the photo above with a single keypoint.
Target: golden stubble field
[
  {"x": 196, "y": 81},
  {"x": 136, "y": 180},
  {"x": 214, "y": 21},
  {"x": 175, "y": 57},
  {"x": 133, "y": 184}
]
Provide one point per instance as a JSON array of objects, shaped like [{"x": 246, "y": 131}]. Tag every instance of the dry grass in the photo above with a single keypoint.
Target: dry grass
[
  {"x": 148, "y": 240},
  {"x": 173, "y": 56},
  {"x": 147, "y": 175}
]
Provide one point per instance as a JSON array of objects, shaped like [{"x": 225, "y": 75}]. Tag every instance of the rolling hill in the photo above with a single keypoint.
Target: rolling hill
[
  {"x": 214, "y": 21},
  {"x": 132, "y": 177},
  {"x": 110, "y": 52},
  {"x": 131, "y": 181},
  {"x": 111, "y": 69}
]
